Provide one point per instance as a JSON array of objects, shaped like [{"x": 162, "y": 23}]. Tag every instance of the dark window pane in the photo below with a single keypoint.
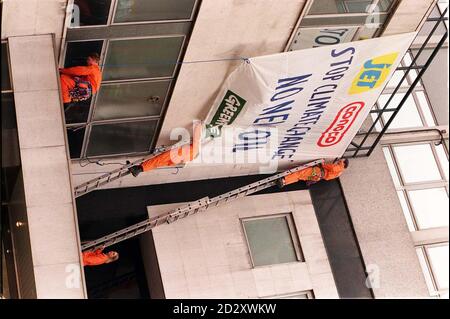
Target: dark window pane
[
  {"x": 77, "y": 112},
  {"x": 77, "y": 52},
  {"x": 130, "y": 100},
  {"x": 91, "y": 12},
  {"x": 348, "y": 21},
  {"x": 8, "y": 111},
  {"x": 6, "y": 83},
  {"x": 142, "y": 58},
  {"x": 153, "y": 10},
  {"x": 121, "y": 138},
  {"x": 75, "y": 135},
  {"x": 270, "y": 241}
]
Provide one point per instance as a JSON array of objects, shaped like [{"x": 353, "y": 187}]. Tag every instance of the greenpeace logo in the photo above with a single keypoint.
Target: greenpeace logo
[
  {"x": 341, "y": 124},
  {"x": 373, "y": 73},
  {"x": 228, "y": 109}
]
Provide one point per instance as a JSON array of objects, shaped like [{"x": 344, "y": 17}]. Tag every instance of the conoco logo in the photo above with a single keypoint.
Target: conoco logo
[{"x": 341, "y": 124}]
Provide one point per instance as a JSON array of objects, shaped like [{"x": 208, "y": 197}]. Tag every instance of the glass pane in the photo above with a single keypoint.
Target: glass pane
[
  {"x": 8, "y": 112},
  {"x": 90, "y": 12},
  {"x": 77, "y": 112},
  {"x": 75, "y": 136},
  {"x": 408, "y": 116},
  {"x": 378, "y": 126},
  {"x": 396, "y": 78},
  {"x": 438, "y": 256},
  {"x": 311, "y": 38},
  {"x": 425, "y": 107},
  {"x": 270, "y": 241},
  {"x": 417, "y": 163},
  {"x": 339, "y": 6},
  {"x": 384, "y": 5},
  {"x": 77, "y": 52},
  {"x": 6, "y": 83},
  {"x": 443, "y": 159},
  {"x": 430, "y": 207},
  {"x": 345, "y": 20},
  {"x": 121, "y": 138},
  {"x": 153, "y": 10},
  {"x": 130, "y": 100},
  {"x": 406, "y": 212},
  {"x": 142, "y": 58}
]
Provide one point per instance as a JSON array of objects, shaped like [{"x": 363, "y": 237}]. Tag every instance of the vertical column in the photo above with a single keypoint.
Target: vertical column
[{"x": 51, "y": 212}]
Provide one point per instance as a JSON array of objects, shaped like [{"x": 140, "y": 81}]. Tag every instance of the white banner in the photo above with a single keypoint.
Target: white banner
[{"x": 300, "y": 105}]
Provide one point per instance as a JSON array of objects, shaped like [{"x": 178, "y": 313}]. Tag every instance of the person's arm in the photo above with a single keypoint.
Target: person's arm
[{"x": 77, "y": 70}]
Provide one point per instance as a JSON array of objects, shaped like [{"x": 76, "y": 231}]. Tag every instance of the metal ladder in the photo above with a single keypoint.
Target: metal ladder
[
  {"x": 189, "y": 209},
  {"x": 118, "y": 173}
]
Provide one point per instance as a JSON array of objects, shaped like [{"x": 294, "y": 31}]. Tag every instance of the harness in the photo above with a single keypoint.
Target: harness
[
  {"x": 82, "y": 90},
  {"x": 317, "y": 173}
]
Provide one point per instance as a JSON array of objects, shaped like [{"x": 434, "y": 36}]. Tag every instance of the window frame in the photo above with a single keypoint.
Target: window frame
[
  {"x": 107, "y": 47},
  {"x": 300, "y": 257},
  {"x": 404, "y": 188},
  {"x": 308, "y": 293},
  {"x": 112, "y": 14},
  {"x": 190, "y": 19},
  {"x": 432, "y": 283}
]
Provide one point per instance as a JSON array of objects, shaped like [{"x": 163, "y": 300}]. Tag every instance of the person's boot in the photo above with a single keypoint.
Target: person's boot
[
  {"x": 136, "y": 170},
  {"x": 280, "y": 182}
]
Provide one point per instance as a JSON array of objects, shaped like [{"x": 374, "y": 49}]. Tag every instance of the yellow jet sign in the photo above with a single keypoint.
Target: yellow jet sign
[{"x": 373, "y": 73}]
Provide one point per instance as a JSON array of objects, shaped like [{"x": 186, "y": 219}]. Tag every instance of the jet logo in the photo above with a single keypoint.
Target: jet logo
[{"x": 373, "y": 73}]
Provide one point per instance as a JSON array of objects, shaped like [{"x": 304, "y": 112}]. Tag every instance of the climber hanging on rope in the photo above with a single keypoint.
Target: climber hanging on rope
[
  {"x": 315, "y": 173},
  {"x": 79, "y": 83},
  {"x": 176, "y": 156}
]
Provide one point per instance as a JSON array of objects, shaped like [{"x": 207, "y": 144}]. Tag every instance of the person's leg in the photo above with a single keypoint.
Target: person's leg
[
  {"x": 67, "y": 84},
  {"x": 160, "y": 160},
  {"x": 303, "y": 175}
]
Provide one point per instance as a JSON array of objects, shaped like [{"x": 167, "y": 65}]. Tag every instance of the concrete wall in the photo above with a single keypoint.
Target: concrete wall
[
  {"x": 380, "y": 226},
  {"x": 408, "y": 16},
  {"x": 435, "y": 81},
  {"x": 35, "y": 16},
  {"x": 49, "y": 201},
  {"x": 206, "y": 255},
  {"x": 226, "y": 29}
]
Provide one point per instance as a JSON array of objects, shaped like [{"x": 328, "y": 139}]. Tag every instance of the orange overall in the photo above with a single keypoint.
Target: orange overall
[
  {"x": 179, "y": 155},
  {"x": 90, "y": 73},
  {"x": 315, "y": 174},
  {"x": 94, "y": 258}
]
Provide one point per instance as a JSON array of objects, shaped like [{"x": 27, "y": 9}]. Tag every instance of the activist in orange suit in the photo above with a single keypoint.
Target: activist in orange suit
[
  {"x": 315, "y": 173},
  {"x": 78, "y": 83},
  {"x": 179, "y": 155},
  {"x": 98, "y": 257}
]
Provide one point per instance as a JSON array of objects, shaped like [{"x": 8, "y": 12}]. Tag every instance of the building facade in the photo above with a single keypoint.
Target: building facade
[{"x": 380, "y": 231}]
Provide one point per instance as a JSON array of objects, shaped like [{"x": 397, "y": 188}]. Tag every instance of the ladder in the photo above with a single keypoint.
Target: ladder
[
  {"x": 189, "y": 209},
  {"x": 118, "y": 173}
]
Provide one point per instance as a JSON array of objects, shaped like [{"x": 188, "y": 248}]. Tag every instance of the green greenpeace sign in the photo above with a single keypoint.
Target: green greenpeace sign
[{"x": 228, "y": 110}]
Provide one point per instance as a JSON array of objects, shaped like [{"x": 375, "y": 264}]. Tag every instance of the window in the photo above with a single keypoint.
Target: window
[
  {"x": 153, "y": 10},
  {"x": 141, "y": 99},
  {"x": 91, "y": 12},
  {"x": 272, "y": 240},
  {"x": 296, "y": 295},
  {"x": 417, "y": 163},
  {"x": 121, "y": 138},
  {"x": 420, "y": 175},
  {"x": 6, "y": 82},
  {"x": 434, "y": 260},
  {"x": 142, "y": 58},
  {"x": 337, "y": 21},
  {"x": 415, "y": 112}
]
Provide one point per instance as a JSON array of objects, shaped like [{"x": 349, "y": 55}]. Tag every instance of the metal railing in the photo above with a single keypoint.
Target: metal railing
[{"x": 364, "y": 143}]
